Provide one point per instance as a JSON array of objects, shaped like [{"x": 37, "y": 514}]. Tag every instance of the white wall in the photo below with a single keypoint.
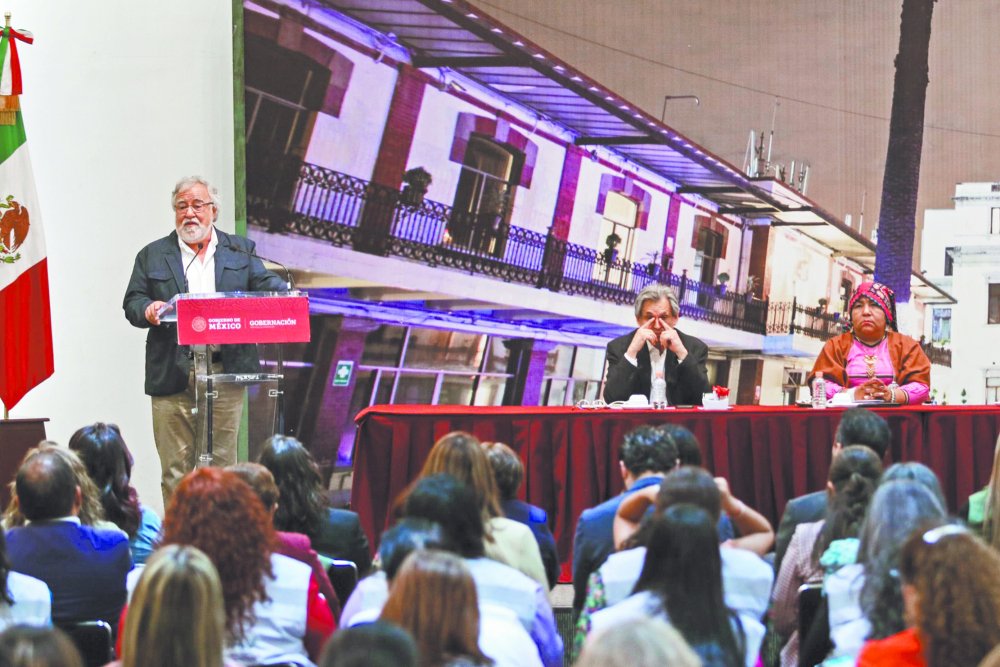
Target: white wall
[{"x": 121, "y": 99}]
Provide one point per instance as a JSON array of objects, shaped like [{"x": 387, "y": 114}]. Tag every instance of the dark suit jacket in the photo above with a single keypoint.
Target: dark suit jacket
[
  {"x": 84, "y": 567},
  {"x": 686, "y": 381},
  {"x": 158, "y": 275},
  {"x": 804, "y": 509},
  {"x": 537, "y": 520},
  {"x": 341, "y": 537}
]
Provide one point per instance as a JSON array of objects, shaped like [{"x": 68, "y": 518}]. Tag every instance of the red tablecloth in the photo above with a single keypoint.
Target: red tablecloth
[{"x": 769, "y": 454}]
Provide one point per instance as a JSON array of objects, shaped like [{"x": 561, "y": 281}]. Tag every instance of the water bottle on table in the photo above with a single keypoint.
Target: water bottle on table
[
  {"x": 658, "y": 392},
  {"x": 819, "y": 392}
]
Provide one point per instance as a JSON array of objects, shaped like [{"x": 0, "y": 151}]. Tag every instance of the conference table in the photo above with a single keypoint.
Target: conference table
[{"x": 769, "y": 454}]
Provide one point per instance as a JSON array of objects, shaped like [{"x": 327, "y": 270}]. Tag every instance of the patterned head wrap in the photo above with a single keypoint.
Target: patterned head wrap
[{"x": 881, "y": 296}]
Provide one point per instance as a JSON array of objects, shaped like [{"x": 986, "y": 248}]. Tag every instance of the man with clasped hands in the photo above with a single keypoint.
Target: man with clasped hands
[
  {"x": 657, "y": 345},
  {"x": 195, "y": 257}
]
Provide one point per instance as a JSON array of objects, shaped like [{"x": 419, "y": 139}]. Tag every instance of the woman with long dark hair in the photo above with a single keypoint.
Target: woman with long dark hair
[
  {"x": 109, "y": 464},
  {"x": 854, "y": 474},
  {"x": 305, "y": 507},
  {"x": 681, "y": 581}
]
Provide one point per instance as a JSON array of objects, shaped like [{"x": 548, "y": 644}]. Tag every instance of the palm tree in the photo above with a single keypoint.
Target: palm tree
[{"x": 896, "y": 230}]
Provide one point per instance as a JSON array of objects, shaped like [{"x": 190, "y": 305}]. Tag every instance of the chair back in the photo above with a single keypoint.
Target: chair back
[
  {"x": 93, "y": 639},
  {"x": 344, "y": 578},
  {"x": 810, "y": 600}
]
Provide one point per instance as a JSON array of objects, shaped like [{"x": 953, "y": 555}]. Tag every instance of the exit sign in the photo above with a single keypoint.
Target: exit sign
[{"x": 342, "y": 374}]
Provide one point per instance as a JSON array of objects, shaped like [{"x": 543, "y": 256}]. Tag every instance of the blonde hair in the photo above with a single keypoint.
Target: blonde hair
[
  {"x": 176, "y": 615},
  {"x": 642, "y": 642},
  {"x": 91, "y": 510}
]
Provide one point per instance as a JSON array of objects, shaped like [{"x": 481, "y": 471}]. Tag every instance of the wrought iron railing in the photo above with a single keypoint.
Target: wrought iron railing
[
  {"x": 791, "y": 318},
  {"x": 348, "y": 211},
  {"x": 938, "y": 355}
]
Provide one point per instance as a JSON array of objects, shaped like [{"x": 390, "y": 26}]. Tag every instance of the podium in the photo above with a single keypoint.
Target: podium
[{"x": 208, "y": 320}]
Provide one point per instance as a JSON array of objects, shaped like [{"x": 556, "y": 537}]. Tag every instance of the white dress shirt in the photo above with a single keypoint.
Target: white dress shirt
[
  {"x": 657, "y": 362},
  {"x": 200, "y": 272}
]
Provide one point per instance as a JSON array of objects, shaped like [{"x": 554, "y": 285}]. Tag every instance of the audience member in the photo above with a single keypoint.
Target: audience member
[
  {"x": 109, "y": 465},
  {"x": 746, "y": 578},
  {"x": 304, "y": 506},
  {"x": 982, "y": 509},
  {"x": 460, "y": 454},
  {"x": 84, "y": 567},
  {"x": 24, "y": 600},
  {"x": 688, "y": 449},
  {"x": 681, "y": 582},
  {"x": 864, "y": 600},
  {"x": 509, "y": 473},
  {"x": 854, "y": 475},
  {"x": 371, "y": 645},
  {"x": 446, "y": 501},
  {"x": 915, "y": 472},
  {"x": 643, "y": 642},
  {"x": 26, "y": 646},
  {"x": 176, "y": 617},
  {"x": 858, "y": 426},
  {"x": 951, "y": 593},
  {"x": 274, "y": 611},
  {"x": 644, "y": 457},
  {"x": 293, "y": 545},
  {"x": 434, "y": 597},
  {"x": 91, "y": 512}
]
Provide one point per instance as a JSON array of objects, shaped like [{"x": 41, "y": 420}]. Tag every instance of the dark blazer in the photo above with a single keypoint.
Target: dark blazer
[
  {"x": 804, "y": 509},
  {"x": 158, "y": 275},
  {"x": 84, "y": 567},
  {"x": 341, "y": 537},
  {"x": 686, "y": 381},
  {"x": 537, "y": 520}
]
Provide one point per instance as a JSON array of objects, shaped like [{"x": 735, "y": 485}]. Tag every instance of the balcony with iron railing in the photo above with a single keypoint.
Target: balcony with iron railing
[
  {"x": 347, "y": 211},
  {"x": 939, "y": 356}
]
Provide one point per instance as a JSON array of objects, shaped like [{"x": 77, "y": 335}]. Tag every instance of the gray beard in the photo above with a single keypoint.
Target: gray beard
[{"x": 194, "y": 235}]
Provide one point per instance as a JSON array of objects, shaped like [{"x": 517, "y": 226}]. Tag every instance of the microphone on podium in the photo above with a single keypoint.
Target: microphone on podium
[{"x": 197, "y": 252}]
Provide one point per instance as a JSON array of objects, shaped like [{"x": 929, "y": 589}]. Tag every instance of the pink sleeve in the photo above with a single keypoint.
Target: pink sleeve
[
  {"x": 916, "y": 392},
  {"x": 832, "y": 388}
]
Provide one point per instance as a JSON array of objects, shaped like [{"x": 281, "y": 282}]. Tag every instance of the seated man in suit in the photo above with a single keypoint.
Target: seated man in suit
[
  {"x": 509, "y": 473},
  {"x": 645, "y": 456},
  {"x": 84, "y": 567},
  {"x": 857, "y": 427},
  {"x": 657, "y": 346}
]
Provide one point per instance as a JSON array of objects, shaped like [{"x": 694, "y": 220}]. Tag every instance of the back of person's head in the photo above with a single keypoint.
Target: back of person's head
[
  {"x": 916, "y": 472},
  {"x": 688, "y": 449},
  {"x": 508, "y": 470},
  {"x": 404, "y": 538},
  {"x": 686, "y": 484},
  {"x": 217, "y": 512},
  {"x": 109, "y": 464},
  {"x": 683, "y": 568},
  {"x": 434, "y": 597},
  {"x": 648, "y": 449},
  {"x": 897, "y": 509},
  {"x": 304, "y": 501},
  {"x": 28, "y": 646},
  {"x": 955, "y": 590},
  {"x": 854, "y": 475},
  {"x": 175, "y": 616},
  {"x": 260, "y": 480},
  {"x": 446, "y": 501},
  {"x": 371, "y": 645},
  {"x": 991, "y": 514},
  {"x": 642, "y": 642},
  {"x": 859, "y": 426},
  {"x": 460, "y": 454},
  {"x": 91, "y": 513},
  {"x": 46, "y": 487}
]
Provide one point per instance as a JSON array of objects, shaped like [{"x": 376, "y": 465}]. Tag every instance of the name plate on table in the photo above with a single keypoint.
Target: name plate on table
[{"x": 243, "y": 320}]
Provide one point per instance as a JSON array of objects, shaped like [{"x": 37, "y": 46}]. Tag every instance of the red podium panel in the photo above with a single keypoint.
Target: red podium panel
[{"x": 244, "y": 319}]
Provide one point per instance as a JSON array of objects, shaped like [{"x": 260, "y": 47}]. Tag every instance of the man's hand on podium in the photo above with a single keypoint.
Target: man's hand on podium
[{"x": 152, "y": 310}]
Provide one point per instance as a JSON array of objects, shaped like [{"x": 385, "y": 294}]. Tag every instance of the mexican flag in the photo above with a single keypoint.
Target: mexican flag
[{"x": 25, "y": 323}]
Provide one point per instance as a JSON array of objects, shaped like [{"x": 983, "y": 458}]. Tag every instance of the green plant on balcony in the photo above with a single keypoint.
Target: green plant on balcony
[
  {"x": 654, "y": 262},
  {"x": 823, "y": 303},
  {"x": 417, "y": 180},
  {"x": 723, "y": 278},
  {"x": 611, "y": 251},
  {"x": 751, "y": 286}
]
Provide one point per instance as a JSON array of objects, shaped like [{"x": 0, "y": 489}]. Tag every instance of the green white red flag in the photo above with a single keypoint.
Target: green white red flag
[{"x": 25, "y": 321}]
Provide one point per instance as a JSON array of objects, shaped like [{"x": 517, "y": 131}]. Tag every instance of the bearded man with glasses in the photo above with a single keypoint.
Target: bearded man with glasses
[{"x": 195, "y": 257}]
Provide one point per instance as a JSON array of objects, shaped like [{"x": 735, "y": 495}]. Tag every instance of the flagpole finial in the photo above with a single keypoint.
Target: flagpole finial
[{"x": 6, "y": 18}]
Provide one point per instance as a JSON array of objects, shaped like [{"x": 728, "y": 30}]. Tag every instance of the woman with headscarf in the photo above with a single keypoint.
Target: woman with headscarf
[{"x": 873, "y": 361}]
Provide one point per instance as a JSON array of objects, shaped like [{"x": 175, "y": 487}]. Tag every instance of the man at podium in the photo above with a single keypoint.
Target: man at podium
[{"x": 195, "y": 258}]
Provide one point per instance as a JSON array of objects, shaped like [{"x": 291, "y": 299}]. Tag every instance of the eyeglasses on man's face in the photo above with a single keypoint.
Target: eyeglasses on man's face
[{"x": 197, "y": 206}]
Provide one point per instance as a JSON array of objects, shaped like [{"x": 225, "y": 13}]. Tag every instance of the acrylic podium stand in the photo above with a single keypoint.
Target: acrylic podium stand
[{"x": 205, "y": 321}]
